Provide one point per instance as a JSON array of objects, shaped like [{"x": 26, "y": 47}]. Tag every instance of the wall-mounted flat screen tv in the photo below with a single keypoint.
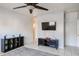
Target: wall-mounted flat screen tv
[{"x": 48, "y": 25}]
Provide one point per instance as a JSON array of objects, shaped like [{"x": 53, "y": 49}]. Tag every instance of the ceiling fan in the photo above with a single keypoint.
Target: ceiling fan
[{"x": 34, "y": 5}]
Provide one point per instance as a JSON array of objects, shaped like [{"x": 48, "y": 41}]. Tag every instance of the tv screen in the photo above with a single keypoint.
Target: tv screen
[{"x": 48, "y": 25}]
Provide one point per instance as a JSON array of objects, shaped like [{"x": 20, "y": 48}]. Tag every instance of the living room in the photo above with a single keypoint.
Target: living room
[{"x": 62, "y": 17}]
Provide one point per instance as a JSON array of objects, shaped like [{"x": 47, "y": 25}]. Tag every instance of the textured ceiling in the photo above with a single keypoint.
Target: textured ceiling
[{"x": 51, "y": 6}]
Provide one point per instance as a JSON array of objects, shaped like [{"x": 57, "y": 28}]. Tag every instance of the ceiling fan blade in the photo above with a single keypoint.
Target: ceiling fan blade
[
  {"x": 39, "y": 7},
  {"x": 20, "y": 7}
]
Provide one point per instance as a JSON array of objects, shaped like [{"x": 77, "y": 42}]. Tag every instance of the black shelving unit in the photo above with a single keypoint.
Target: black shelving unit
[{"x": 8, "y": 44}]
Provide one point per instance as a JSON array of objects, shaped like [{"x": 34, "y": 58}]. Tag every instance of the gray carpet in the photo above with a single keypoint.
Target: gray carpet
[{"x": 23, "y": 51}]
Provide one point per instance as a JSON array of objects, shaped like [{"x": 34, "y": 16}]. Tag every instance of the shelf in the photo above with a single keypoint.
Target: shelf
[{"x": 11, "y": 43}]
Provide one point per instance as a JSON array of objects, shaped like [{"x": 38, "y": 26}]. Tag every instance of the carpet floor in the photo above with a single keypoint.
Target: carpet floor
[{"x": 23, "y": 51}]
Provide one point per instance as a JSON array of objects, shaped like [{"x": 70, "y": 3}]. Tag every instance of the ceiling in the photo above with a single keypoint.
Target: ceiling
[{"x": 51, "y": 6}]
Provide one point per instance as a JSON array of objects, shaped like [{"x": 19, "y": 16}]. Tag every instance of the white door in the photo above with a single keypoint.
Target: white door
[
  {"x": 77, "y": 33},
  {"x": 70, "y": 29}
]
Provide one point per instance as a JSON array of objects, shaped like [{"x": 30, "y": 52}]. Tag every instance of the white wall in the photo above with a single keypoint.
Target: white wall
[
  {"x": 12, "y": 24},
  {"x": 58, "y": 17}
]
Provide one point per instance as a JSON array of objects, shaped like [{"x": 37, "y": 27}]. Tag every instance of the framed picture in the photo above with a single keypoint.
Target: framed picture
[{"x": 48, "y": 25}]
